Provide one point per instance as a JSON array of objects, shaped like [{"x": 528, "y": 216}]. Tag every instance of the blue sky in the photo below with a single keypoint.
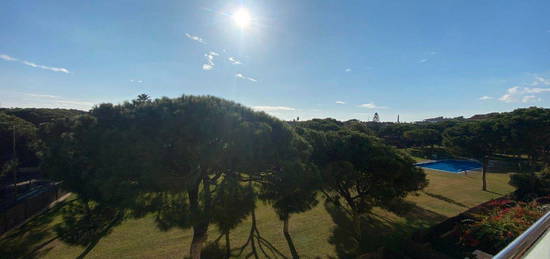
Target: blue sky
[{"x": 323, "y": 58}]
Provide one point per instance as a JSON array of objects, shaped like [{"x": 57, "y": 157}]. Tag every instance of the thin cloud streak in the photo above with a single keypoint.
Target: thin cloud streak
[
  {"x": 485, "y": 98},
  {"x": 43, "y": 96},
  {"x": 241, "y": 76},
  {"x": 7, "y": 58},
  {"x": 340, "y": 102},
  {"x": 32, "y": 64},
  {"x": 372, "y": 106},
  {"x": 426, "y": 59},
  {"x": 195, "y": 38},
  {"x": 234, "y": 61},
  {"x": 273, "y": 108}
]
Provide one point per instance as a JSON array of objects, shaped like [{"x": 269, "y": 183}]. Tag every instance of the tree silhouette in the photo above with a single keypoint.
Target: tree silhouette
[
  {"x": 191, "y": 152},
  {"x": 477, "y": 140},
  {"x": 292, "y": 190},
  {"x": 359, "y": 172}
]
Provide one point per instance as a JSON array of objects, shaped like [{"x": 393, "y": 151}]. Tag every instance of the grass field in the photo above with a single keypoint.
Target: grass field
[{"x": 446, "y": 195}]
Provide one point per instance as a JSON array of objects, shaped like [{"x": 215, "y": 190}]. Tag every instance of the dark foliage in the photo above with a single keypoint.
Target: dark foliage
[
  {"x": 529, "y": 185},
  {"x": 26, "y": 141}
]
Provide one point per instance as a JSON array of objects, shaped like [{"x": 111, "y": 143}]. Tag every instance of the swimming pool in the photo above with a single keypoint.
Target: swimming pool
[{"x": 451, "y": 166}]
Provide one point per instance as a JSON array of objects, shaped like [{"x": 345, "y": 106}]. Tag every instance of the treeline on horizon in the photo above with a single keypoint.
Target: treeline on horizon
[{"x": 197, "y": 162}]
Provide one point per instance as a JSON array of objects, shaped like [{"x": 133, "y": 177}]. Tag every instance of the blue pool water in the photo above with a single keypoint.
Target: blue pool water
[{"x": 451, "y": 166}]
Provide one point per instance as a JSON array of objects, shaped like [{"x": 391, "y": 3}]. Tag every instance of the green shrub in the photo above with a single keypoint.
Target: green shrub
[
  {"x": 531, "y": 185},
  {"x": 503, "y": 222}
]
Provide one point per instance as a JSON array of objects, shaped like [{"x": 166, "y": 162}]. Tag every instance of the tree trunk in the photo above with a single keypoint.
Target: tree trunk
[
  {"x": 483, "y": 173},
  {"x": 199, "y": 228},
  {"x": 199, "y": 238},
  {"x": 289, "y": 240},
  {"x": 15, "y": 184},
  {"x": 534, "y": 159},
  {"x": 15, "y": 164},
  {"x": 227, "y": 246}
]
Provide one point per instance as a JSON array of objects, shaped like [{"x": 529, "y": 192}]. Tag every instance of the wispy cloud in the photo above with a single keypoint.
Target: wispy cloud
[
  {"x": 516, "y": 94},
  {"x": 43, "y": 96},
  {"x": 348, "y": 70},
  {"x": 195, "y": 38},
  {"x": 32, "y": 64},
  {"x": 55, "y": 69},
  {"x": 136, "y": 81},
  {"x": 340, "y": 102},
  {"x": 536, "y": 90},
  {"x": 234, "y": 61},
  {"x": 529, "y": 98},
  {"x": 539, "y": 80},
  {"x": 427, "y": 56},
  {"x": 526, "y": 94},
  {"x": 79, "y": 103},
  {"x": 273, "y": 108},
  {"x": 210, "y": 60},
  {"x": 241, "y": 76},
  {"x": 510, "y": 95},
  {"x": 55, "y": 101},
  {"x": 372, "y": 106},
  {"x": 7, "y": 58},
  {"x": 485, "y": 98}
]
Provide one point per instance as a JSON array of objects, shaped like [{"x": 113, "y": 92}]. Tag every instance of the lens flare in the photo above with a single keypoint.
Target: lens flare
[{"x": 242, "y": 17}]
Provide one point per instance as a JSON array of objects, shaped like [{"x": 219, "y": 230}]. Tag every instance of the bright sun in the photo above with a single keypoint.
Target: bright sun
[{"x": 242, "y": 17}]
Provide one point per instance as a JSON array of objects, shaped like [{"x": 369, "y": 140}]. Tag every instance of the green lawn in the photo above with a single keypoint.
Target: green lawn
[{"x": 446, "y": 195}]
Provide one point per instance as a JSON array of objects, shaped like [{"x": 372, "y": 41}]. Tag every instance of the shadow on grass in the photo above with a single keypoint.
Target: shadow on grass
[
  {"x": 445, "y": 199},
  {"x": 493, "y": 192},
  {"x": 371, "y": 232},
  {"x": 212, "y": 250},
  {"x": 29, "y": 240},
  {"x": 257, "y": 245},
  {"x": 86, "y": 223}
]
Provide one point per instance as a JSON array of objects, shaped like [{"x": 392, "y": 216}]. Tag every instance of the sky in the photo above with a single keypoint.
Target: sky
[{"x": 307, "y": 59}]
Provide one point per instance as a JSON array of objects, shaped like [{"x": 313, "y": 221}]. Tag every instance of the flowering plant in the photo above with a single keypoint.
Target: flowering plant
[{"x": 503, "y": 221}]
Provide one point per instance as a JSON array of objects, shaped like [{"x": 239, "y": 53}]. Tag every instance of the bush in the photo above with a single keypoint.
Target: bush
[
  {"x": 531, "y": 185},
  {"x": 505, "y": 221}
]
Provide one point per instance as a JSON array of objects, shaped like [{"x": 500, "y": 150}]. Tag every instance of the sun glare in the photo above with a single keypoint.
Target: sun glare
[{"x": 242, "y": 17}]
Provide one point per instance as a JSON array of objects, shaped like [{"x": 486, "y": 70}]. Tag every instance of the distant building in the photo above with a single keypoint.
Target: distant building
[
  {"x": 376, "y": 118},
  {"x": 484, "y": 116},
  {"x": 440, "y": 119}
]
